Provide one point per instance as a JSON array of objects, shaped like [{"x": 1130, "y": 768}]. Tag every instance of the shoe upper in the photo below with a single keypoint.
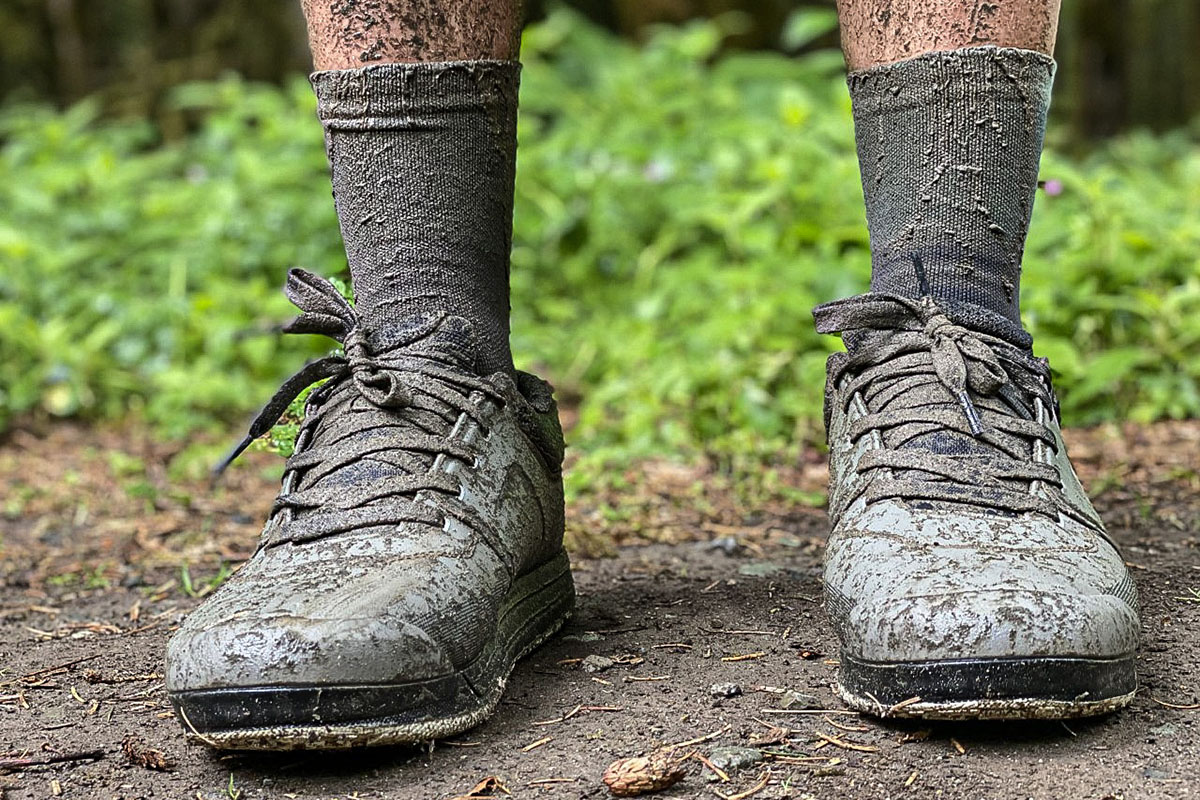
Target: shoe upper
[
  {"x": 417, "y": 494},
  {"x": 959, "y": 527}
]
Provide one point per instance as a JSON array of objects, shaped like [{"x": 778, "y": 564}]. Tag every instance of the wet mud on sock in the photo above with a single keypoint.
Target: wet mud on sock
[
  {"x": 422, "y": 158},
  {"x": 949, "y": 145}
]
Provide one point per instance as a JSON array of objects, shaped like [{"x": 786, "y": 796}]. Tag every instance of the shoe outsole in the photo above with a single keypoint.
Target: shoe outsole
[
  {"x": 335, "y": 717},
  {"x": 989, "y": 688}
]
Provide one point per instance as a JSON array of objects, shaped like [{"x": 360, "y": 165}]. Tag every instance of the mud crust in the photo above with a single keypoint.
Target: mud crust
[{"x": 288, "y": 718}]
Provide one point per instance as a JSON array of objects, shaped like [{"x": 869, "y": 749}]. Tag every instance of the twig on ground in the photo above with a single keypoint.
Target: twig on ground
[
  {"x": 842, "y": 743},
  {"x": 708, "y": 737},
  {"x": 1177, "y": 706},
  {"x": 763, "y": 780},
  {"x": 850, "y": 728},
  {"x": 808, "y": 711},
  {"x": 578, "y": 710},
  {"x": 720, "y": 773},
  {"x": 720, "y": 631},
  {"x": 551, "y": 781},
  {"x": 14, "y": 764},
  {"x": 47, "y": 671}
]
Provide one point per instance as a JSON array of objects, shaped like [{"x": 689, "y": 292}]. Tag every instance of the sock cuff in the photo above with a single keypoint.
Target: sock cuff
[
  {"x": 1007, "y": 71},
  {"x": 985, "y": 320},
  {"x": 383, "y": 96}
]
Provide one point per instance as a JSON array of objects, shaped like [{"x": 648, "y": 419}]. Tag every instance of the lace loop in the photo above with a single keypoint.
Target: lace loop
[{"x": 323, "y": 310}]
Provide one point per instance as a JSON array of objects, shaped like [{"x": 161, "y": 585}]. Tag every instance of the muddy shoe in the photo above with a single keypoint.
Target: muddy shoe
[
  {"x": 967, "y": 574},
  {"x": 412, "y": 556}
]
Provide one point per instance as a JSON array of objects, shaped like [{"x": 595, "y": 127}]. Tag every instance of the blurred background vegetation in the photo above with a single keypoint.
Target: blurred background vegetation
[
  {"x": 1123, "y": 63},
  {"x": 686, "y": 193}
]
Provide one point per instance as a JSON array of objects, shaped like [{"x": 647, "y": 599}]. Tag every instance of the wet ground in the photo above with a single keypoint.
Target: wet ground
[{"x": 712, "y": 635}]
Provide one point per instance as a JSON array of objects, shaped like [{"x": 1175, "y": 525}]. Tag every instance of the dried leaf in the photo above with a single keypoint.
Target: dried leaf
[
  {"x": 489, "y": 787},
  {"x": 141, "y": 755}
]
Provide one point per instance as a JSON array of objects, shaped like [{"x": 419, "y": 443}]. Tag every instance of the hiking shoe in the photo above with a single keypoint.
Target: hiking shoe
[
  {"x": 413, "y": 555},
  {"x": 967, "y": 575}
]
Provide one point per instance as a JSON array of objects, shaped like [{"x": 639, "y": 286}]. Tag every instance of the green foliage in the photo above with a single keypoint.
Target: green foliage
[
  {"x": 678, "y": 214},
  {"x": 144, "y": 277}
]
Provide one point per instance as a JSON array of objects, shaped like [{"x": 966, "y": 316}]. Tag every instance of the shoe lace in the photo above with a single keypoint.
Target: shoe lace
[
  {"x": 391, "y": 406},
  {"x": 953, "y": 407}
]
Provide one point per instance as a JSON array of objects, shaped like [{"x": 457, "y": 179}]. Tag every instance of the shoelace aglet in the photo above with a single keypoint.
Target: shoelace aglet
[
  {"x": 972, "y": 413},
  {"x": 224, "y": 463}
]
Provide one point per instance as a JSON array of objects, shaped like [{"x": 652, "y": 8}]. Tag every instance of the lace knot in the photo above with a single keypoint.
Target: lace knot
[
  {"x": 378, "y": 383},
  {"x": 324, "y": 311}
]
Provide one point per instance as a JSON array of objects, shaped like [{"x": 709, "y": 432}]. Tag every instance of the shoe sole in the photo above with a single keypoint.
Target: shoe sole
[
  {"x": 989, "y": 689},
  {"x": 334, "y": 717}
]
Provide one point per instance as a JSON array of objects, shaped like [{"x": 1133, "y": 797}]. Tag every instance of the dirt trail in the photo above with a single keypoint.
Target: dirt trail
[{"x": 724, "y": 641}]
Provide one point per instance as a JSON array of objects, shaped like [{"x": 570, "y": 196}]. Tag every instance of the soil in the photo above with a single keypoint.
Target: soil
[{"x": 705, "y": 628}]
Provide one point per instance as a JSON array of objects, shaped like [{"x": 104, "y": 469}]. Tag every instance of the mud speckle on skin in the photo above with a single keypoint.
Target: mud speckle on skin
[
  {"x": 883, "y": 31},
  {"x": 345, "y": 34}
]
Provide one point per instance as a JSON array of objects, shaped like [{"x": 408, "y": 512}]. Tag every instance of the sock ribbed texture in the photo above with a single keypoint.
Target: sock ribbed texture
[
  {"x": 949, "y": 145},
  {"x": 422, "y": 159}
]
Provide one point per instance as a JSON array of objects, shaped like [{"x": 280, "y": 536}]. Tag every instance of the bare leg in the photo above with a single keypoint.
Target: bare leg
[
  {"x": 345, "y": 34},
  {"x": 882, "y": 31}
]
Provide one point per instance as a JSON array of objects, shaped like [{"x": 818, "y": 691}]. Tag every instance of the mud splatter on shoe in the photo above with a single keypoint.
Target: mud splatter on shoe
[
  {"x": 967, "y": 574},
  {"x": 413, "y": 555}
]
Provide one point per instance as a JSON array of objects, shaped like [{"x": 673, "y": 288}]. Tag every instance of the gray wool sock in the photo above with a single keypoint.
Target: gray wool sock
[
  {"x": 949, "y": 145},
  {"x": 422, "y": 158}
]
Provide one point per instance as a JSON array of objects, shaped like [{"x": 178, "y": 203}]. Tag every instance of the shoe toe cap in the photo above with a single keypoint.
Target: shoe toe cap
[
  {"x": 285, "y": 650},
  {"x": 905, "y": 586},
  {"x": 1001, "y": 623},
  {"x": 337, "y": 625}
]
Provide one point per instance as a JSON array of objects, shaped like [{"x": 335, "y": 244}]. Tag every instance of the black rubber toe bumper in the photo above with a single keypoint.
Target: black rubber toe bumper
[
  {"x": 1075, "y": 686},
  {"x": 277, "y": 706}
]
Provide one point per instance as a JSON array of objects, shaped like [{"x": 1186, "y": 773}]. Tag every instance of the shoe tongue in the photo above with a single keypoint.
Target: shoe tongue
[
  {"x": 949, "y": 443},
  {"x": 441, "y": 339}
]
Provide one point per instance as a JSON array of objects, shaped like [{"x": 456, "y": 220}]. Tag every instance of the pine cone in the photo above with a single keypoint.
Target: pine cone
[{"x": 630, "y": 777}]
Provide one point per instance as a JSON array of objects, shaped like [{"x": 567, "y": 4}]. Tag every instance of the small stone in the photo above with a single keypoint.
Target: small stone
[
  {"x": 1165, "y": 730},
  {"x": 597, "y": 663},
  {"x": 799, "y": 700},
  {"x": 731, "y": 759},
  {"x": 586, "y": 636},
  {"x": 726, "y": 544},
  {"x": 760, "y": 569},
  {"x": 725, "y": 690}
]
